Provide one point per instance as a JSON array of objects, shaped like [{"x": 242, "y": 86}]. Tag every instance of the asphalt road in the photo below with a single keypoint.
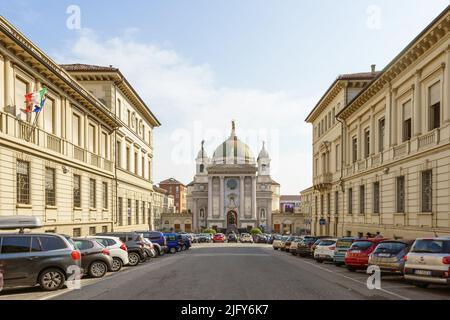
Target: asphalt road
[{"x": 236, "y": 272}]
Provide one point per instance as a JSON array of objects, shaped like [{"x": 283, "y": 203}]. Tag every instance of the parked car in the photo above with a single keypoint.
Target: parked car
[
  {"x": 304, "y": 247},
  {"x": 277, "y": 241},
  {"x": 357, "y": 257},
  {"x": 294, "y": 245},
  {"x": 117, "y": 249},
  {"x": 232, "y": 237},
  {"x": 260, "y": 238},
  {"x": 325, "y": 250},
  {"x": 27, "y": 260},
  {"x": 342, "y": 246},
  {"x": 389, "y": 255},
  {"x": 134, "y": 243},
  {"x": 288, "y": 242},
  {"x": 428, "y": 262},
  {"x": 204, "y": 238},
  {"x": 158, "y": 240},
  {"x": 219, "y": 237},
  {"x": 173, "y": 242},
  {"x": 186, "y": 242},
  {"x": 272, "y": 237},
  {"x": 96, "y": 260},
  {"x": 150, "y": 249},
  {"x": 246, "y": 238},
  {"x": 315, "y": 244}
]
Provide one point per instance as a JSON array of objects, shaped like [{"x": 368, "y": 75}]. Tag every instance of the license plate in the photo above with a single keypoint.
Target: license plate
[
  {"x": 384, "y": 255},
  {"x": 356, "y": 251},
  {"x": 422, "y": 272}
]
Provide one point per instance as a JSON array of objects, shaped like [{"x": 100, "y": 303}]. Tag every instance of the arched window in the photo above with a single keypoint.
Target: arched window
[{"x": 202, "y": 168}]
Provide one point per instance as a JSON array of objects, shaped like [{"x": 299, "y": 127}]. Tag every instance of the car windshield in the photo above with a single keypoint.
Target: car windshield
[
  {"x": 361, "y": 245},
  {"x": 344, "y": 243},
  {"x": 309, "y": 241},
  {"x": 431, "y": 246},
  {"x": 390, "y": 247},
  {"x": 327, "y": 242}
]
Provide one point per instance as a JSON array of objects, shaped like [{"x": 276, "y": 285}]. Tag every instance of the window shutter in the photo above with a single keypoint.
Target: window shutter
[{"x": 435, "y": 94}]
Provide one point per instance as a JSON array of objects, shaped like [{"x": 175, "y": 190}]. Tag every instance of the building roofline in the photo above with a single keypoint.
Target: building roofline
[
  {"x": 396, "y": 59},
  {"x": 87, "y": 68}
]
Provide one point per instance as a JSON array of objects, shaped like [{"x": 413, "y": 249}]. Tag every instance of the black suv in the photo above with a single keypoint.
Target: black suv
[{"x": 30, "y": 259}]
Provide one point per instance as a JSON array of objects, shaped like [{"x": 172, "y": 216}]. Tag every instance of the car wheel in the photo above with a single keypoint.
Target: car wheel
[
  {"x": 161, "y": 252},
  {"x": 178, "y": 249},
  {"x": 133, "y": 259},
  {"x": 319, "y": 261},
  {"x": 51, "y": 279},
  {"x": 117, "y": 265},
  {"x": 293, "y": 253},
  {"x": 183, "y": 248},
  {"x": 173, "y": 250},
  {"x": 351, "y": 269},
  {"x": 421, "y": 285},
  {"x": 275, "y": 248},
  {"x": 97, "y": 269}
]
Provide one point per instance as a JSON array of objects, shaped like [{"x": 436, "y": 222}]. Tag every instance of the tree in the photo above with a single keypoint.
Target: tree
[
  {"x": 255, "y": 231},
  {"x": 210, "y": 231}
]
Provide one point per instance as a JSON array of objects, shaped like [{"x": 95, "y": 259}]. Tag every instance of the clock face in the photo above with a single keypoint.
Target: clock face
[{"x": 232, "y": 184}]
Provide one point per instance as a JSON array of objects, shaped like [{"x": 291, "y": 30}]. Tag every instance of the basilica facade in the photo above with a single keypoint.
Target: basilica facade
[{"x": 232, "y": 191}]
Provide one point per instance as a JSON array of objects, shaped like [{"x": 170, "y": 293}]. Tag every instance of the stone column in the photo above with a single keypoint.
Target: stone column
[
  {"x": 242, "y": 198},
  {"x": 221, "y": 197},
  {"x": 446, "y": 88},
  {"x": 393, "y": 126},
  {"x": 387, "y": 122},
  {"x": 210, "y": 195},
  {"x": 9, "y": 83},
  {"x": 417, "y": 116},
  {"x": 194, "y": 216},
  {"x": 360, "y": 143},
  {"x": 372, "y": 132},
  {"x": 254, "y": 198}
]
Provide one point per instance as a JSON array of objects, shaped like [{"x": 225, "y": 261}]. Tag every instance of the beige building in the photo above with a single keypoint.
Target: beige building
[
  {"x": 382, "y": 145},
  {"x": 61, "y": 165},
  {"x": 163, "y": 203},
  {"x": 133, "y": 143},
  {"x": 306, "y": 207},
  {"x": 289, "y": 219}
]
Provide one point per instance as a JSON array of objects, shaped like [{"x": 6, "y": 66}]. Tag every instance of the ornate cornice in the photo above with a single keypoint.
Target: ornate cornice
[{"x": 420, "y": 46}]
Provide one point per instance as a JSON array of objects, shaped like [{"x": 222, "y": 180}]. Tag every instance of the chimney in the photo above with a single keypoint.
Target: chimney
[{"x": 374, "y": 66}]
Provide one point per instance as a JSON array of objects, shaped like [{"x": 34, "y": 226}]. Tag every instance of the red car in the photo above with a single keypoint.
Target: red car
[
  {"x": 357, "y": 257},
  {"x": 219, "y": 237}
]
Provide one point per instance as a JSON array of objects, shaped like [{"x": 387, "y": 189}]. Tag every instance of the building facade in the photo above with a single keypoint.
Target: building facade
[
  {"x": 132, "y": 145},
  {"x": 163, "y": 203},
  {"x": 384, "y": 164},
  {"x": 63, "y": 164},
  {"x": 232, "y": 190},
  {"x": 289, "y": 219},
  {"x": 179, "y": 192}
]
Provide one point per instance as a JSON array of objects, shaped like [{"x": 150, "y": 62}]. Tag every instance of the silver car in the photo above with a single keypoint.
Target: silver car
[{"x": 428, "y": 262}]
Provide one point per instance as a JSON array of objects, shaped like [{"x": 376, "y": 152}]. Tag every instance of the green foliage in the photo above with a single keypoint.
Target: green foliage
[
  {"x": 256, "y": 231},
  {"x": 210, "y": 231}
]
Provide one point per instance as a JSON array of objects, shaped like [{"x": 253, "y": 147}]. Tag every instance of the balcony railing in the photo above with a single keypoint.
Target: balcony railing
[
  {"x": 429, "y": 139},
  {"x": 16, "y": 128},
  {"x": 323, "y": 181},
  {"x": 401, "y": 150},
  {"x": 54, "y": 143}
]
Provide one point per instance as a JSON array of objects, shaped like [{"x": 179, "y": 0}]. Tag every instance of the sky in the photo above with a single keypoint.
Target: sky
[{"x": 200, "y": 64}]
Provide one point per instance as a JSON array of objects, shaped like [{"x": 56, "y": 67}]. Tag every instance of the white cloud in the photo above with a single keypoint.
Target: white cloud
[{"x": 190, "y": 104}]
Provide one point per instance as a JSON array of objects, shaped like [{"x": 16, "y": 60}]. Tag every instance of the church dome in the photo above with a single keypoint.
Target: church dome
[{"x": 233, "y": 151}]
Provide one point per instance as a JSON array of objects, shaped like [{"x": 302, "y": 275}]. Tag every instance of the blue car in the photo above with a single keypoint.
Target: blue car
[
  {"x": 186, "y": 242},
  {"x": 173, "y": 241}
]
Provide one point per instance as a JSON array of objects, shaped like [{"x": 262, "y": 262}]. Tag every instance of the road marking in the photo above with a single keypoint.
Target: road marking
[{"x": 354, "y": 280}]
